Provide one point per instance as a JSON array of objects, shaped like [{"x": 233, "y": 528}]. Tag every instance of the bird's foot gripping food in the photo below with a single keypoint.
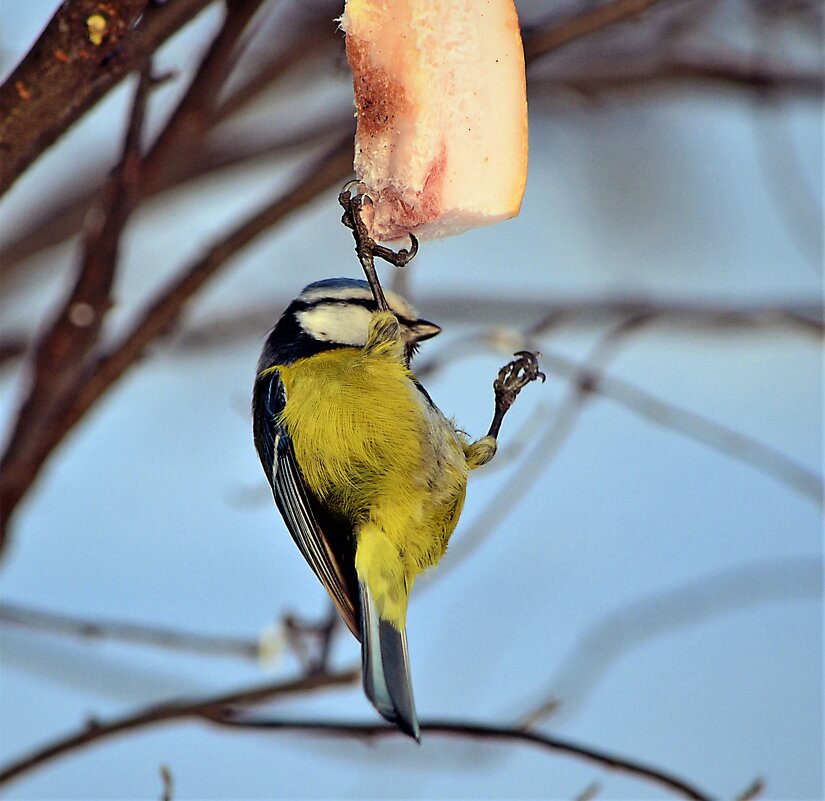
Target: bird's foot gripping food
[
  {"x": 353, "y": 218},
  {"x": 511, "y": 379},
  {"x": 365, "y": 246}
]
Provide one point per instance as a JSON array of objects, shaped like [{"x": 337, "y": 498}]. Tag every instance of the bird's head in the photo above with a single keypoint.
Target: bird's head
[{"x": 334, "y": 313}]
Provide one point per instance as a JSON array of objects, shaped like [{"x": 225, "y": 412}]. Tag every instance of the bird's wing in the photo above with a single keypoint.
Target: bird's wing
[{"x": 301, "y": 511}]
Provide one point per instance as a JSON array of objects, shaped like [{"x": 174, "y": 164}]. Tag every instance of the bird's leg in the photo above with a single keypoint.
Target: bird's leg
[
  {"x": 511, "y": 379},
  {"x": 367, "y": 248}
]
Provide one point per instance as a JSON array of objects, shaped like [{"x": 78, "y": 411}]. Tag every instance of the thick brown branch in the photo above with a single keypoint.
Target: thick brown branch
[
  {"x": 59, "y": 356},
  {"x": 330, "y": 170},
  {"x": 66, "y": 72},
  {"x": 480, "y": 731},
  {"x": 207, "y": 708},
  {"x": 184, "y": 151}
]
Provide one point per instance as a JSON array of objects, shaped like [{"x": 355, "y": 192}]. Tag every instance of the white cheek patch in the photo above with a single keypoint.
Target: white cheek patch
[{"x": 336, "y": 322}]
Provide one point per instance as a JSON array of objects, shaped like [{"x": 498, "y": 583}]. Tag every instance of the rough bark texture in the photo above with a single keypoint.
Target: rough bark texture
[{"x": 86, "y": 49}]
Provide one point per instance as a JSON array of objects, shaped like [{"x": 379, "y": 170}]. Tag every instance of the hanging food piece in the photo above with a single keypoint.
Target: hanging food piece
[{"x": 441, "y": 143}]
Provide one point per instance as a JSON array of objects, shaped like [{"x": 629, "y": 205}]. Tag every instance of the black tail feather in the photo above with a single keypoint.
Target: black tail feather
[{"x": 386, "y": 668}]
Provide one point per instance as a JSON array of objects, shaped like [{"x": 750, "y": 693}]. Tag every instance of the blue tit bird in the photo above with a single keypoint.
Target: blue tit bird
[{"x": 369, "y": 476}]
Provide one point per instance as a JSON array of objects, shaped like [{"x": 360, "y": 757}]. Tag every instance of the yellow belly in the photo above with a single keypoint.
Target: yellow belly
[{"x": 371, "y": 448}]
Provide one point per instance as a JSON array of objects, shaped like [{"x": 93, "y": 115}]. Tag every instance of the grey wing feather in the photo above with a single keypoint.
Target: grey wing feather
[{"x": 293, "y": 498}]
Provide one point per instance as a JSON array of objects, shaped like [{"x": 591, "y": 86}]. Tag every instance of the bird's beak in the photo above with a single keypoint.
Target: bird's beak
[{"x": 423, "y": 329}]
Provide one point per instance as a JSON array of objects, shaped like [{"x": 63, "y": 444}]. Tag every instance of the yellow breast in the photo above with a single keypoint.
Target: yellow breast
[{"x": 371, "y": 447}]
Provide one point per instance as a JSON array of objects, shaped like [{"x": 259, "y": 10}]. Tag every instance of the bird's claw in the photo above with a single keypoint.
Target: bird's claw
[
  {"x": 516, "y": 375},
  {"x": 511, "y": 379},
  {"x": 364, "y": 243}
]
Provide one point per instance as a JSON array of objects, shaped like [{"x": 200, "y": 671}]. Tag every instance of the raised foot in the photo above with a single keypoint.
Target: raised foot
[
  {"x": 511, "y": 379},
  {"x": 516, "y": 375}
]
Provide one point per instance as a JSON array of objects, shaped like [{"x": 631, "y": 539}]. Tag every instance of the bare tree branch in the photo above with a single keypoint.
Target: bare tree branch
[
  {"x": 685, "y": 605},
  {"x": 120, "y": 631},
  {"x": 801, "y": 317},
  {"x": 663, "y": 614},
  {"x": 721, "y": 438},
  {"x": 168, "y": 783},
  {"x": 726, "y": 440},
  {"x": 66, "y": 72},
  {"x": 21, "y": 465},
  {"x": 727, "y": 70},
  {"x": 482, "y": 731},
  {"x": 562, "y": 30},
  {"x": 207, "y": 708},
  {"x": 59, "y": 356},
  {"x": 223, "y": 710},
  {"x": 752, "y": 791}
]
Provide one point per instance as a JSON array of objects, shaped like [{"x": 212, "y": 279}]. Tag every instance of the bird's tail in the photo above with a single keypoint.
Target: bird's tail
[{"x": 386, "y": 667}]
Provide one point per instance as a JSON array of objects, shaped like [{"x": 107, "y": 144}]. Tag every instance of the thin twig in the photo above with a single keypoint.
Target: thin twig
[
  {"x": 723, "y": 439},
  {"x": 662, "y": 614},
  {"x": 720, "y": 70},
  {"x": 533, "y": 465},
  {"x": 168, "y": 783},
  {"x": 311, "y": 641},
  {"x": 589, "y": 792},
  {"x": 116, "y": 630},
  {"x": 481, "y": 731},
  {"x": 752, "y": 791},
  {"x": 563, "y": 30},
  {"x": 207, "y": 708}
]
